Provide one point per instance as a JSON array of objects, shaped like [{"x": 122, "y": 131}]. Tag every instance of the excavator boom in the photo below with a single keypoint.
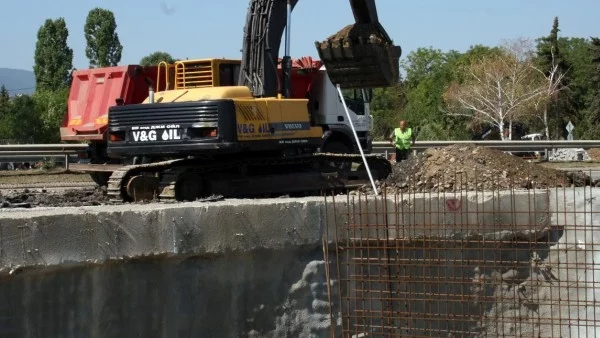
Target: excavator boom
[{"x": 361, "y": 55}]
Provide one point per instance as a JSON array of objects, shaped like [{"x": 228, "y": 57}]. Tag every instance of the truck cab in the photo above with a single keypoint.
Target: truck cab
[{"x": 327, "y": 111}]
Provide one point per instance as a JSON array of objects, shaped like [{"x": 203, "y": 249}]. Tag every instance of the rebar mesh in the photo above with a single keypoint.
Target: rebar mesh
[{"x": 467, "y": 260}]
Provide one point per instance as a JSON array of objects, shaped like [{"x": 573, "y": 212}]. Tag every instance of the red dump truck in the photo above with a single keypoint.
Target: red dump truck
[{"x": 92, "y": 92}]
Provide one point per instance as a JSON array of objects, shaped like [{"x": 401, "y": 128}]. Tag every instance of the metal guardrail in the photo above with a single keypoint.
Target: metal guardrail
[
  {"x": 520, "y": 146},
  {"x": 22, "y": 151},
  {"x": 41, "y": 148},
  {"x": 32, "y": 152}
]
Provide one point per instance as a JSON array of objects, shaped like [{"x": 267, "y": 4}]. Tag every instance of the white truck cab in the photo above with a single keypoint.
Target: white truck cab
[{"x": 327, "y": 111}]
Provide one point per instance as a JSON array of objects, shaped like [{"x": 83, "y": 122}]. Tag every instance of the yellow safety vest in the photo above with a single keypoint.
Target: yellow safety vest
[{"x": 403, "y": 140}]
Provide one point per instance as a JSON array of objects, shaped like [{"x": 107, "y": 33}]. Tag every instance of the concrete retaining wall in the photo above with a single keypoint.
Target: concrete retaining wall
[
  {"x": 225, "y": 269},
  {"x": 249, "y": 268},
  {"x": 557, "y": 296}
]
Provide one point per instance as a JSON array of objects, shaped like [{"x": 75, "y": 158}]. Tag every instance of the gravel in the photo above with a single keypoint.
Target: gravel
[
  {"x": 469, "y": 167},
  {"x": 68, "y": 198}
]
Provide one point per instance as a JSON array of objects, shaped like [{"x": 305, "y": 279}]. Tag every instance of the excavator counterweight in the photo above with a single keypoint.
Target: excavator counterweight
[{"x": 361, "y": 55}]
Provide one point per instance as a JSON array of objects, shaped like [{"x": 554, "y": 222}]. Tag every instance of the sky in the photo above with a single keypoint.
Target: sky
[{"x": 214, "y": 28}]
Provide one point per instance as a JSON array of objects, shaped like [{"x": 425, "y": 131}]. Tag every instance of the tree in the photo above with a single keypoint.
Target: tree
[
  {"x": 593, "y": 114},
  {"x": 53, "y": 58},
  {"x": 428, "y": 71},
  {"x": 103, "y": 46},
  {"x": 51, "y": 107},
  {"x": 554, "y": 69},
  {"x": 21, "y": 122},
  {"x": 386, "y": 107},
  {"x": 497, "y": 88},
  {"x": 155, "y": 58},
  {"x": 4, "y": 97},
  {"x": 595, "y": 49}
]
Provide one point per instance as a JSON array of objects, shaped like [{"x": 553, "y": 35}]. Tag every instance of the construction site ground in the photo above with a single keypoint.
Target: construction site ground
[
  {"x": 449, "y": 168},
  {"x": 507, "y": 259}
]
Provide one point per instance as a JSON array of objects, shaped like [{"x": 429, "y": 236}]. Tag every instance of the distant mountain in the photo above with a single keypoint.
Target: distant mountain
[{"x": 17, "y": 81}]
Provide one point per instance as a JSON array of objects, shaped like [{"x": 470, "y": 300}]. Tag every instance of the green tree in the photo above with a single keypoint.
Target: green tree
[
  {"x": 51, "y": 107},
  {"x": 53, "y": 58},
  {"x": 578, "y": 53},
  {"x": 557, "y": 105},
  {"x": 103, "y": 46},
  {"x": 593, "y": 111},
  {"x": 4, "y": 107},
  {"x": 4, "y": 97},
  {"x": 155, "y": 58},
  {"x": 21, "y": 122},
  {"x": 428, "y": 72},
  {"x": 386, "y": 107}
]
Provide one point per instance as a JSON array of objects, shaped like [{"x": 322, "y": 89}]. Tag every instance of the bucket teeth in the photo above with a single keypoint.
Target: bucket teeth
[{"x": 360, "y": 56}]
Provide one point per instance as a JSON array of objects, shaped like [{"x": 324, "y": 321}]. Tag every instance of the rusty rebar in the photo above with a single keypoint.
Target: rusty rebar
[{"x": 468, "y": 256}]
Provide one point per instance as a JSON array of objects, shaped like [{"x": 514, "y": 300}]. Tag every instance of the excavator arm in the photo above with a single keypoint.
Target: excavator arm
[{"x": 360, "y": 55}]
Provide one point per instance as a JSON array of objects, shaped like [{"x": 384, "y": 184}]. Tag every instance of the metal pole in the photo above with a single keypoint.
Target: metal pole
[
  {"x": 287, "y": 28},
  {"x": 66, "y": 162},
  {"x": 357, "y": 140},
  {"x": 286, "y": 62}
]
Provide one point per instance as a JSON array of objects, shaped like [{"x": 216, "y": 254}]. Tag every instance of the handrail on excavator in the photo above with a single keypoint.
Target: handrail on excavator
[
  {"x": 166, "y": 74},
  {"x": 178, "y": 65}
]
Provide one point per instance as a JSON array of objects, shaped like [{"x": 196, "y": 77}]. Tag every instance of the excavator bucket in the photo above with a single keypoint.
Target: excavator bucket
[{"x": 360, "y": 56}]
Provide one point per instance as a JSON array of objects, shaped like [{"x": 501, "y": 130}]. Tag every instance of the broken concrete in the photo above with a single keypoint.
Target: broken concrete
[
  {"x": 556, "y": 296},
  {"x": 249, "y": 268}
]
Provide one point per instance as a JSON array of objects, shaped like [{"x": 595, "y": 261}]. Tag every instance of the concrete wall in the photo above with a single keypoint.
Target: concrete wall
[
  {"x": 250, "y": 269},
  {"x": 247, "y": 268},
  {"x": 557, "y": 296},
  {"x": 257, "y": 294}
]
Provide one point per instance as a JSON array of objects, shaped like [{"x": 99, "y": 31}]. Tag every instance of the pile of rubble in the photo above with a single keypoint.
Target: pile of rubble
[
  {"x": 569, "y": 154},
  {"x": 469, "y": 167},
  {"x": 69, "y": 198},
  {"x": 594, "y": 154}
]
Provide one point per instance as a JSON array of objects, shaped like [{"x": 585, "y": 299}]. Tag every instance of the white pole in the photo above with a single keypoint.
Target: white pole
[{"x": 356, "y": 138}]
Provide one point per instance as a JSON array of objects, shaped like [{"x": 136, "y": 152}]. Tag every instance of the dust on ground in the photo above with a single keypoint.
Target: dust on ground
[
  {"x": 470, "y": 167},
  {"x": 68, "y": 198}
]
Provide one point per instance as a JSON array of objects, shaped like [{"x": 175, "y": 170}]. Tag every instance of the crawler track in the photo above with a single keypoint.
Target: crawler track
[{"x": 190, "y": 179}]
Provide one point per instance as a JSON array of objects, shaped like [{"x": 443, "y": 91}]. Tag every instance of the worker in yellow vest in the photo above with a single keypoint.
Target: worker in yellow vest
[{"x": 402, "y": 139}]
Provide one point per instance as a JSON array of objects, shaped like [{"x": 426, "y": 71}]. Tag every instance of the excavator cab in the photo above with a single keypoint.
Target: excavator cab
[{"x": 361, "y": 55}]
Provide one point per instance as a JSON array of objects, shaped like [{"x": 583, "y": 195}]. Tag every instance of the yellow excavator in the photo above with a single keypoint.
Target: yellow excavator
[{"x": 231, "y": 128}]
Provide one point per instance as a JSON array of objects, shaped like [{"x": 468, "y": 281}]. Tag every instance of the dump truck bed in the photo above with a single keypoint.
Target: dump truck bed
[{"x": 94, "y": 91}]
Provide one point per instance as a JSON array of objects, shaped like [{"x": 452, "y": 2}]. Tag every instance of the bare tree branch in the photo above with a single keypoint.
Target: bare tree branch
[{"x": 498, "y": 88}]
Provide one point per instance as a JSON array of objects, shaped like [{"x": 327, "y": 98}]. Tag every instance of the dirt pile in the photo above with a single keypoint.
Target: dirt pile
[
  {"x": 594, "y": 154},
  {"x": 69, "y": 198},
  {"x": 353, "y": 33},
  {"x": 469, "y": 167}
]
